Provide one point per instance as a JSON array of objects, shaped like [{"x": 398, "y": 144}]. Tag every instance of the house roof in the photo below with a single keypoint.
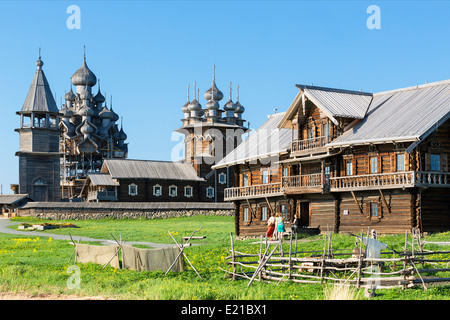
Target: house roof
[
  {"x": 267, "y": 141},
  {"x": 407, "y": 114},
  {"x": 12, "y": 198},
  {"x": 101, "y": 179},
  {"x": 149, "y": 169}
]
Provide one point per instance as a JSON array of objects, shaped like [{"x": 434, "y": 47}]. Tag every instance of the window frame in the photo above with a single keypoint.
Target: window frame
[
  {"x": 170, "y": 191},
  {"x": 191, "y": 189},
  {"x": 207, "y": 192},
  {"x": 435, "y": 162},
  {"x": 130, "y": 186},
  {"x": 222, "y": 178},
  {"x": 397, "y": 162},
  {"x": 373, "y": 164},
  {"x": 264, "y": 213},
  {"x": 157, "y": 187}
]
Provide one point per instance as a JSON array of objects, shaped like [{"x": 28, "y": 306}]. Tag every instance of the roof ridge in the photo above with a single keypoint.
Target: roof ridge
[
  {"x": 420, "y": 86},
  {"x": 300, "y": 86}
]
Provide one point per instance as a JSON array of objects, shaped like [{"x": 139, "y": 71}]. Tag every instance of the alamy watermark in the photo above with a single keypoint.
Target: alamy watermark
[
  {"x": 74, "y": 20},
  {"x": 374, "y": 20}
]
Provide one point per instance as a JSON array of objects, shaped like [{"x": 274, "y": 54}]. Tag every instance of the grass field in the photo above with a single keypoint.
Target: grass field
[{"x": 39, "y": 265}]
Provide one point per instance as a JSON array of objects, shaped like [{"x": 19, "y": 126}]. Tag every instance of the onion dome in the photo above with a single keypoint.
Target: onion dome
[
  {"x": 185, "y": 107},
  {"x": 99, "y": 98},
  {"x": 84, "y": 76},
  {"x": 115, "y": 116},
  {"x": 70, "y": 96},
  {"x": 213, "y": 93},
  {"x": 229, "y": 106},
  {"x": 39, "y": 62},
  {"x": 239, "y": 108},
  {"x": 105, "y": 113},
  {"x": 122, "y": 135},
  {"x": 195, "y": 106},
  {"x": 212, "y": 105},
  {"x": 87, "y": 128},
  {"x": 85, "y": 111}
]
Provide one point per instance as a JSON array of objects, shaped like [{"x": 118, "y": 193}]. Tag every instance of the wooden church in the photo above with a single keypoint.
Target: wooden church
[{"x": 345, "y": 161}]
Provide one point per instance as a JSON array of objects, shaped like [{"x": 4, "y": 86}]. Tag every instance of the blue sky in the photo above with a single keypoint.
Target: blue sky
[{"x": 146, "y": 52}]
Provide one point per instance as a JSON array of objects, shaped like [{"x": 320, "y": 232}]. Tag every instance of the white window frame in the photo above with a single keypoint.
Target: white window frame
[
  {"x": 170, "y": 191},
  {"x": 130, "y": 186},
  {"x": 222, "y": 178},
  {"x": 246, "y": 214},
  {"x": 210, "y": 194},
  {"x": 191, "y": 191},
  {"x": 264, "y": 213},
  {"x": 157, "y": 187}
]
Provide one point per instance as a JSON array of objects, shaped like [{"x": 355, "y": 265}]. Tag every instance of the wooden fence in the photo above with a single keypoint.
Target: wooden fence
[{"x": 414, "y": 265}]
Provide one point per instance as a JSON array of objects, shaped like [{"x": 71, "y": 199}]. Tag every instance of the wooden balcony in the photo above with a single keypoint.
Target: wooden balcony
[
  {"x": 300, "y": 147},
  {"x": 309, "y": 183},
  {"x": 392, "y": 180},
  {"x": 432, "y": 179},
  {"x": 256, "y": 191}
]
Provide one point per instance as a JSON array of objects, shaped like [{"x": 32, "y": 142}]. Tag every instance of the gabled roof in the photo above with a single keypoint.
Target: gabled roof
[
  {"x": 39, "y": 97},
  {"x": 101, "y": 179},
  {"x": 267, "y": 141},
  {"x": 148, "y": 169},
  {"x": 338, "y": 103},
  {"x": 407, "y": 114},
  {"x": 334, "y": 103}
]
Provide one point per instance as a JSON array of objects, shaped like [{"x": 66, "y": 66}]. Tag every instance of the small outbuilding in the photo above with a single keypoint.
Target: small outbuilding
[{"x": 9, "y": 203}]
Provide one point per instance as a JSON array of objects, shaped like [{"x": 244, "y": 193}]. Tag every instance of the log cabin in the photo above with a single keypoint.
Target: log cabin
[{"x": 345, "y": 161}]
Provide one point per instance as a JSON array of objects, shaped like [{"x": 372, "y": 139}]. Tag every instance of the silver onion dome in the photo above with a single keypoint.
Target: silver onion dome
[
  {"x": 70, "y": 96},
  {"x": 185, "y": 107},
  {"x": 239, "y": 108},
  {"x": 105, "y": 113},
  {"x": 99, "y": 98},
  {"x": 213, "y": 93},
  {"x": 195, "y": 106},
  {"x": 84, "y": 76},
  {"x": 212, "y": 105}
]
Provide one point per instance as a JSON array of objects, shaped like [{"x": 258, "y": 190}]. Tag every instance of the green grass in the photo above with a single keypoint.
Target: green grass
[{"x": 39, "y": 264}]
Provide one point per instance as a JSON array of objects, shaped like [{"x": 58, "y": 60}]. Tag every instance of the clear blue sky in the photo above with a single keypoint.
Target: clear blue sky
[{"x": 146, "y": 52}]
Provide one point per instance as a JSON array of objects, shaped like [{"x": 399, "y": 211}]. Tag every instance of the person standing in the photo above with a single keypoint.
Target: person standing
[
  {"x": 270, "y": 226},
  {"x": 280, "y": 225}
]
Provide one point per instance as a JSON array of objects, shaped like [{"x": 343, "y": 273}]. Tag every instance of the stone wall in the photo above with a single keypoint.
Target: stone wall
[{"x": 83, "y": 212}]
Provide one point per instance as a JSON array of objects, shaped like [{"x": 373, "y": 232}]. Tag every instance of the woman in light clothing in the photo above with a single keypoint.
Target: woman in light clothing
[{"x": 280, "y": 225}]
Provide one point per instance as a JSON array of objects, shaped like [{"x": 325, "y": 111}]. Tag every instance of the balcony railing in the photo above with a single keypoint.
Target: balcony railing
[
  {"x": 268, "y": 190},
  {"x": 433, "y": 179},
  {"x": 303, "y": 181},
  {"x": 308, "y": 144}
]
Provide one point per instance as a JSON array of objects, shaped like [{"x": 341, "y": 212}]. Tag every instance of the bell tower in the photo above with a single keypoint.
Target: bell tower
[{"x": 39, "y": 157}]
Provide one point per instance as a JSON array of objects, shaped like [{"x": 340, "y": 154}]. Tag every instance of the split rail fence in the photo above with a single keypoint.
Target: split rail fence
[{"x": 413, "y": 266}]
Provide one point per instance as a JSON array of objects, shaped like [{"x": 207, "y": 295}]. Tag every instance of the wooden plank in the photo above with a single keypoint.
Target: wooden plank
[
  {"x": 356, "y": 202},
  {"x": 384, "y": 201}
]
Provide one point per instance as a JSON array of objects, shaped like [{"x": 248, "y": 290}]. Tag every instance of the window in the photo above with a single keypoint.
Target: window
[
  {"x": 246, "y": 214},
  {"x": 400, "y": 165},
  {"x": 210, "y": 192},
  {"x": 325, "y": 130},
  {"x": 373, "y": 165},
  {"x": 132, "y": 189},
  {"x": 222, "y": 178},
  {"x": 349, "y": 167},
  {"x": 435, "y": 161},
  {"x": 157, "y": 190},
  {"x": 327, "y": 170},
  {"x": 309, "y": 133},
  {"x": 264, "y": 213},
  {"x": 284, "y": 211},
  {"x": 374, "y": 209},
  {"x": 245, "y": 180},
  {"x": 173, "y": 191},
  {"x": 285, "y": 172},
  {"x": 188, "y": 191},
  {"x": 265, "y": 176}
]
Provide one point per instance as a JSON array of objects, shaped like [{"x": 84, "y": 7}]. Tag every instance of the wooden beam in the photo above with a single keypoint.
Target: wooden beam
[
  {"x": 251, "y": 210},
  {"x": 356, "y": 201},
  {"x": 384, "y": 201},
  {"x": 268, "y": 203}
]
